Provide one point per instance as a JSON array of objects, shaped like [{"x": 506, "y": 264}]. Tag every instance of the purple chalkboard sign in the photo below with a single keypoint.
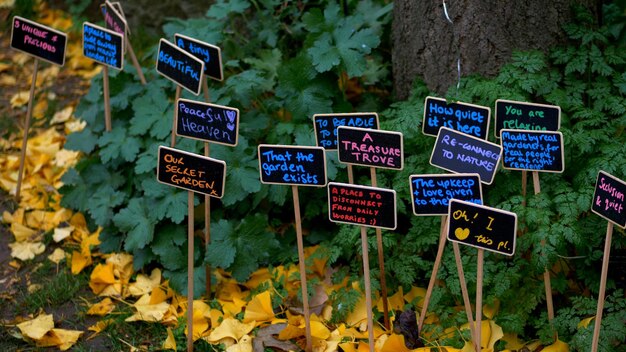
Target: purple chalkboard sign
[
  {"x": 38, "y": 40},
  {"x": 608, "y": 199}
]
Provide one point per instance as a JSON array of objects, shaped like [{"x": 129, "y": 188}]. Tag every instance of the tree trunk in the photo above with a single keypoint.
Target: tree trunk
[{"x": 483, "y": 34}]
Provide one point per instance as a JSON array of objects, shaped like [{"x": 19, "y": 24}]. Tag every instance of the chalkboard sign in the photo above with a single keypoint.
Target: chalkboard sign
[
  {"x": 192, "y": 172},
  {"x": 292, "y": 165},
  {"x": 362, "y": 205},
  {"x": 467, "y": 118},
  {"x": 482, "y": 227},
  {"x": 179, "y": 66},
  {"x": 462, "y": 153},
  {"x": 608, "y": 199},
  {"x": 532, "y": 150},
  {"x": 325, "y": 126},
  {"x": 373, "y": 148},
  {"x": 211, "y": 55},
  {"x": 38, "y": 40},
  {"x": 207, "y": 122},
  {"x": 430, "y": 194},
  {"x": 517, "y": 115},
  {"x": 103, "y": 45},
  {"x": 113, "y": 19}
]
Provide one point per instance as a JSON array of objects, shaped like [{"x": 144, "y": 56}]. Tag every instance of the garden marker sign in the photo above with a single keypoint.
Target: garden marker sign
[
  {"x": 431, "y": 194},
  {"x": 325, "y": 126},
  {"x": 373, "y": 148},
  {"x": 38, "y": 40},
  {"x": 466, "y": 118},
  {"x": 207, "y": 122},
  {"x": 113, "y": 19},
  {"x": 43, "y": 43},
  {"x": 103, "y": 45},
  {"x": 179, "y": 66},
  {"x": 482, "y": 227},
  {"x": 517, "y": 115},
  {"x": 191, "y": 172},
  {"x": 461, "y": 153},
  {"x": 295, "y": 166},
  {"x": 362, "y": 205},
  {"x": 532, "y": 150},
  {"x": 210, "y": 54},
  {"x": 608, "y": 202}
]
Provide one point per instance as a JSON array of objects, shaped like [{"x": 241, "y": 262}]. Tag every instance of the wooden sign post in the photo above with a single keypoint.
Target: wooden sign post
[
  {"x": 107, "y": 48},
  {"x": 535, "y": 151},
  {"x": 181, "y": 68},
  {"x": 115, "y": 20},
  {"x": 208, "y": 123},
  {"x": 43, "y": 43},
  {"x": 486, "y": 229},
  {"x": 295, "y": 166},
  {"x": 367, "y": 207},
  {"x": 430, "y": 195},
  {"x": 376, "y": 149},
  {"x": 608, "y": 202},
  {"x": 194, "y": 173},
  {"x": 462, "y": 117}
]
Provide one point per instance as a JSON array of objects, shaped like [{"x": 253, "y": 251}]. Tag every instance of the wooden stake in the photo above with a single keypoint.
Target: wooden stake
[
  {"x": 546, "y": 275},
  {"x": 29, "y": 114},
  {"x": 433, "y": 275},
  {"x": 134, "y": 60},
  {"x": 603, "y": 275},
  {"x": 479, "y": 298},
  {"x": 190, "y": 271},
  {"x": 381, "y": 263},
  {"x": 350, "y": 175},
  {"x": 107, "y": 100},
  {"x": 368, "y": 287},
  {"x": 301, "y": 260},
  {"x": 207, "y": 205},
  {"x": 464, "y": 293},
  {"x": 176, "y": 97}
]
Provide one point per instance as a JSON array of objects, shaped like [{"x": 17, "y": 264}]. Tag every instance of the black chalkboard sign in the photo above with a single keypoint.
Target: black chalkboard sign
[
  {"x": 113, "y": 19},
  {"x": 211, "y": 55},
  {"x": 608, "y": 199},
  {"x": 532, "y": 150},
  {"x": 517, "y": 115},
  {"x": 179, "y": 66},
  {"x": 103, "y": 45},
  {"x": 462, "y": 153},
  {"x": 207, "y": 122},
  {"x": 292, "y": 165},
  {"x": 362, "y": 205},
  {"x": 482, "y": 227},
  {"x": 373, "y": 148},
  {"x": 467, "y": 118},
  {"x": 192, "y": 172},
  {"x": 38, "y": 40},
  {"x": 430, "y": 194},
  {"x": 325, "y": 126}
]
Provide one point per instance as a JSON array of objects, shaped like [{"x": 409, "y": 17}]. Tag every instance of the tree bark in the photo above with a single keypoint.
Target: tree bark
[{"x": 483, "y": 35}]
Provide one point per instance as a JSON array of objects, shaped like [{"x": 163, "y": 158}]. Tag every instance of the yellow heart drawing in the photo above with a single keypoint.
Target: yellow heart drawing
[{"x": 461, "y": 233}]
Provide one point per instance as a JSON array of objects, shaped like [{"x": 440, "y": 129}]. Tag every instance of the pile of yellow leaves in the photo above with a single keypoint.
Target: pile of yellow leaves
[{"x": 42, "y": 332}]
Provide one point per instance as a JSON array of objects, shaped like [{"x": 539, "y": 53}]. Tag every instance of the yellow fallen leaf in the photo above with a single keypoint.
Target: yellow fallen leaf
[
  {"x": 79, "y": 262},
  {"x": 26, "y": 250},
  {"x": 243, "y": 345},
  {"x": 557, "y": 346},
  {"x": 144, "y": 284},
  {"x": 230, "y": 328},
  {"x": 585, "y": 322},
  {"x": 103, "y": 307},
  {"x": 201, "y": 319},
  {"x": 75, "y": 126},
  {"x": 170, "y": 341},
  {"x": 40, "y": 108},
  {"x": 62, "y": 115},
  {"x": 20, "y": 99},
  {"x": 61, "y": 233},
  {"x": 99, "y": 327},
  {"x": 149, "y": 312},
  {"x": 358, "y": 315},
  {"x": 495, "y": 334},
  {"x": 61, "y": 338},
  {"x": 57, "y": 256},
  {"x": 66, "y": 158},
  {"x": 34, "y": 287},
  {"x": 319, "y": 330},
  {"x": 490, "y": 310},
  {"x": 259, "y": 309},
  {"x": 395, "y": 302},
  {"x": 36, "y": 328},
  {"x": 22, "y": 233},
  {"x": 416, "y": 294},
  {"x": 122, "y": 265},
  {"x": 394, "y": 343},
  {"x": 101, "y": 277},
  {"x": 512, "y": 342}
]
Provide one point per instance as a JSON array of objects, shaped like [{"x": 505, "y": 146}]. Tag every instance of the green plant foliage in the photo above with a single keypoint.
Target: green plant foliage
[{"x": 283, "y": 64}]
